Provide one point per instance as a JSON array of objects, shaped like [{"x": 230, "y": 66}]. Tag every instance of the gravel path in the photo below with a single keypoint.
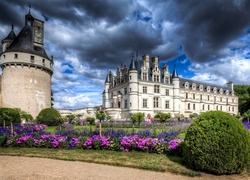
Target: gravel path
[{"x": 26, "y": 168}]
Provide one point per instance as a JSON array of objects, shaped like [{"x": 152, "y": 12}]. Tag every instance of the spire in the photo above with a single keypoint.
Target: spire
[
  {"x": 136, "y": 55},
  {"x": 132, "y": 64},
  {"x": 11, "y": 35},
  {"x": 29, "y": 8},
  {"x": 175, "y": 74},
  {"x": 107, "y": 78}
]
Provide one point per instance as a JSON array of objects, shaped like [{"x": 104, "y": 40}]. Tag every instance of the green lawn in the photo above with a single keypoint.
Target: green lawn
[{"x": 146, "y": 161}]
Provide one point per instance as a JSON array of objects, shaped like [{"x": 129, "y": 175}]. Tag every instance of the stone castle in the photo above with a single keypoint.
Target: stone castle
[
  {"x": 26, "y": 69},
  {"x": 146, "y": 87}
]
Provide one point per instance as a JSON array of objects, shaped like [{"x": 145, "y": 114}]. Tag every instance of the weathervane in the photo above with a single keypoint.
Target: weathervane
[{"x": 29, "y": 8}]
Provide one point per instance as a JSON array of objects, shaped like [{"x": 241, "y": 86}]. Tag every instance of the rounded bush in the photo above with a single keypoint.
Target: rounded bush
[
  {"x": 8, "y": 115},
  {"x": 50, "y": 117},
  {"x": 217, "y": 143}
]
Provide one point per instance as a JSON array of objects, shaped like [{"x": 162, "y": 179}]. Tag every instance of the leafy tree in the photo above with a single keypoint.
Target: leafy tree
[
  {"x": 243, "y": 92},
  {"x": 91, "y": 122},
  {"x": 246, "y": 115},
  {"x": 50, "y": 117},
  {"x": 163, "y": 117},
  {"x": 9, "y": 116},
  {"x": 70, "y": 117},
  {"x": 137, "y": 117},
  {"x": 101, "y": 116},
  {"x": 27, "y": 117}
]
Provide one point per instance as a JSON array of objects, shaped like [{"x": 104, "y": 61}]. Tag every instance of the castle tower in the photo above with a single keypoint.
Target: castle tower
[
  {"x": 133, "y": 87},
  {"x": 106, "y": 102},
  {"x": 176, "y": 92},
  {"x": 26, "y": 69}
]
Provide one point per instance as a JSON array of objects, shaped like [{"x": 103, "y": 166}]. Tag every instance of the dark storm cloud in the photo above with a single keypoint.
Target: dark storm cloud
[
  {"x": 207, "y": 26},
  {"x": 203, "y": 28}
]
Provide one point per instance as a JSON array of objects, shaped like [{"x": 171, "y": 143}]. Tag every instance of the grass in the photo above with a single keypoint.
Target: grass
[{"x": 146, "y": 161}]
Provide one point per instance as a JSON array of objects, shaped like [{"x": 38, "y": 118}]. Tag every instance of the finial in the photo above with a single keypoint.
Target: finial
[
  {"x": 29, "y": 8},
  {"x": 12, "y": 26},
  {"x": 52, "y": 57},
  {"x": 132, "y": 56},
  {"x": 136, "y": 54}
]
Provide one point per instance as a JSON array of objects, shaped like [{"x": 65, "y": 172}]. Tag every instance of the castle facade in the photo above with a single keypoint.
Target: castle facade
[{"x": 146, "y": 87}]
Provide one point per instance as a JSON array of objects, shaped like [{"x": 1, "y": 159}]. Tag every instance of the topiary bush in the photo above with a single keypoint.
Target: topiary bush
[
  {"x": 50, "y": 117},
  {"x": 217, "y": 143},
  {"x": 8, "y": 115}
]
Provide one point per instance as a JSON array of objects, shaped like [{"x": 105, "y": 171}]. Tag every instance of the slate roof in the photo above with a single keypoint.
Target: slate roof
[
  {"x": 11, "y": 35},
  {"x": 24, "y": 43}
]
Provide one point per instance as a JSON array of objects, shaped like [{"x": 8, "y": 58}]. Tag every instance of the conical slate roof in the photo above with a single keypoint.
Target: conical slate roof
[
  {"x": 11, "y": 35},
  {"x": 175, "y": 74}
]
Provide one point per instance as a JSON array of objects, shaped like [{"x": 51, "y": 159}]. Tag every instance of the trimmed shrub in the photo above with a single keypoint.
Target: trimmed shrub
[
  {"x": 9, "y": 115},
  {"x": 217, "y": 143},
  {"x": 50, "y": 117}
]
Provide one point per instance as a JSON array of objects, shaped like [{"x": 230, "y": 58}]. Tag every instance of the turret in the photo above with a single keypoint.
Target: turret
[
  {"x": 106, "y": 94},
  {"x": 230, "y": 86},
  {"x": 6, "y": 42},
  {"x": 133, "y": 86},
  {"x": 176, "y": 92}
]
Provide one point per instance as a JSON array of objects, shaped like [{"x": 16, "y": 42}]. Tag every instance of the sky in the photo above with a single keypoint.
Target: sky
[{"x": 208, "y": 40}]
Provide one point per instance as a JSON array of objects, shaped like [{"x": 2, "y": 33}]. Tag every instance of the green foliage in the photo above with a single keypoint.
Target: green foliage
[
  {"x": 137, "y": 117},
  {"x": 194, "y": 115},
  {"x": 91, "y": 121},
  {"x": 163, "y": 117},
  {"x": 27, "y": 117},
  {"x": 101, "y": 115},
  {"x": 8, "y": 116},
  {"x": 70, "y": 117},
  {"x": 218, "y": 143},
  {"x": 246, "y": 115},
  {"x": 3, "y": 140},
  {"x": 50, "y": 117},
  {"x": 243, "y": 92}
]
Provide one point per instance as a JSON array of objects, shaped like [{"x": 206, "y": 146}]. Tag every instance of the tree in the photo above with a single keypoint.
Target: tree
[
  {"x": 91, "y": 122},
  {"x": 27, "y": 117},
  {"x": 243, "y": 92},
  {"x": 50, "y": 117},
  {"x": 163, "y": 117},
  {"x": 101, "y": 116},
  {"x": 70, "y": 117},
  {"x": 137, "y": 117},
  {"x": 9, "y": 116},
  {"x": 246, "y": 115}
]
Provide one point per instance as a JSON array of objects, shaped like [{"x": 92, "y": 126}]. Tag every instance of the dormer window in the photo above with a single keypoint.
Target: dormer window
[
  {"x": 201, "y": 87},
  {"x": 186, "y": 85},
  {"x": 208, "y": 89},
  {"x": 193, "y": 86}
]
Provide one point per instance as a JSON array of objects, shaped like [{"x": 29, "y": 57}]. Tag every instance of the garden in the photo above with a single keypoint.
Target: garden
[{"x": 208, "y": 143}]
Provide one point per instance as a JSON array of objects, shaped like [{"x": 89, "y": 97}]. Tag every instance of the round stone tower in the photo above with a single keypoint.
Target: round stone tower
[{"x": 26, "y": 69}]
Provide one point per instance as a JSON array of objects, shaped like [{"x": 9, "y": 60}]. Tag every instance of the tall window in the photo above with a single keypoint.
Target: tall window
[
  {"x": 188, "y": 105},
  {"x": 125, "y": 103},
  {"x": 167, "y": 92},
  {"x": 156, "y": 89},
  {"x": 193, "y": 96},
  {"x": 156, "y": 102},
  {"x": 203, "y": 107},
  {"x": 125, "y": 90},
  {"x": 144, "y": 76},
  {"x": 145, "y": 103},
  {"x": 208, "y": 107},
  {"x": 186, "y": 95},
  {"x": 208, "y": 97},
  {"x": 193, "y": 106},
  {"x": 220, "y": 99},
  {"x": 167, "y": 104},
  {"x": 144, "y": 89},
  {"x": 156, "y": 78},
  {"x": 201, "y": 97},
  {"x": 214, "y": 98},
  {"x": 232, "y": 100}
]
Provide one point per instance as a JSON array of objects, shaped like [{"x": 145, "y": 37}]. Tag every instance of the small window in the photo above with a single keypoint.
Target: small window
[
  {"x": 144, "y": 90},
  {"x": 193, "y": 96},
  {"x": 4, "y": 56},
  {"x": 16, "y": 56},
  {"x": 32, "y": 58},
  {"x": 43, "y": 61},
  {"x": 125, "y": 103}
]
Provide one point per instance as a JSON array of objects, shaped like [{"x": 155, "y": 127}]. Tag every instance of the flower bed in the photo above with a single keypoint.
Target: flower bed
[{"x": 34, "y": 136}]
